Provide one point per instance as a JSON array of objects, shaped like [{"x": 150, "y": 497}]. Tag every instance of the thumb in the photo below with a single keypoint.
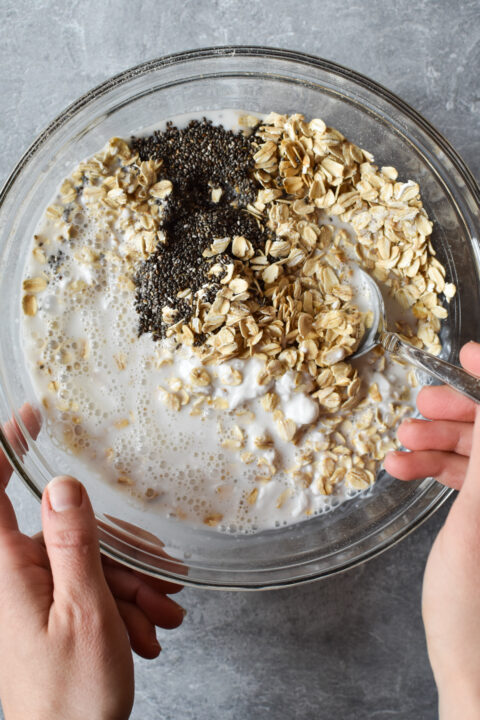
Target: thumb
[
  {"x": 470, "y": 357},
  {"x": 471, "y": 486},
  {"x": 71, "y": 540}
]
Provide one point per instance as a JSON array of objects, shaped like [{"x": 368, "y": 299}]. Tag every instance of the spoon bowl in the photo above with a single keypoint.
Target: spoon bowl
[
  {"x": 371, "y": 337},
  {"x": 377, "y": 334}
]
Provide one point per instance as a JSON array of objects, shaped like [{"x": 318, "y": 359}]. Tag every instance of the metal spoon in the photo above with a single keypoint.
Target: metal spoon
[{"x": 393, "y": 343}]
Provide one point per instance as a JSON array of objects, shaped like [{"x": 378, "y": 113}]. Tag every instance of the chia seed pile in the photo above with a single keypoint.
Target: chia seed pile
[{"x": 196, "y": 159}]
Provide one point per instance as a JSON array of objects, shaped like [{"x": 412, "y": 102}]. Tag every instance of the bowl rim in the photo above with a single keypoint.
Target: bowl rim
[
  {"x": 245, "y": 51},
  {"x": 298, "y": 58}
]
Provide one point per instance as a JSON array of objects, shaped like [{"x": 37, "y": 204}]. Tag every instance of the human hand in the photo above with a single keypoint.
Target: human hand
[
  {"x": 61, "y": 629},
  {"x": 440, "y": 446},
  {"x": 448, "y": 448},
  {"x": 141, "y": 600}
]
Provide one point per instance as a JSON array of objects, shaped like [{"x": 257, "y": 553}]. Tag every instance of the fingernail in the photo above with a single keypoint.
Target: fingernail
[{"x": 64, "y": 493}]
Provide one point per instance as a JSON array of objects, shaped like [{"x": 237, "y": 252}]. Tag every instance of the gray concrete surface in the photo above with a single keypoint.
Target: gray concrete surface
[{"x": 352, "y": 647}]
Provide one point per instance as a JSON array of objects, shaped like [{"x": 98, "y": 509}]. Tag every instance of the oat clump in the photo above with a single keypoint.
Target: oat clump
[{"x": 289, "y": 301}]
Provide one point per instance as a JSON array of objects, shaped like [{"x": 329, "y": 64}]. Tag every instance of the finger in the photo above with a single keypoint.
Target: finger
[
  {"x": 14, "y": 433},
  {"x": 31, "y": 419},
  {"x": 5, "y": 470},
  {"x": 168, "y": 588},
  {"x": 162, "y": 586},
  {"x": 448, "y": 468},
  {"x": 140, "y": 630},
  {"x": 16, "y": 438},
  {"x": 436, "y": 435},
  {"x": 470, "y": 358},
  {"x": 158, "y": 608},
  {"x": 439, "y": 402},
  {"x": 145, "y": 540},
  {"x": 8, "y": 520},
  {"x": 71, "y": 540},
  {"x": 38, "y": 537}
]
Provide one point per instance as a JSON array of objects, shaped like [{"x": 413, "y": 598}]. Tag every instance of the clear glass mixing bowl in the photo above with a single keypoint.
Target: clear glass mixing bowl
[{"x": 255, "y": 79}]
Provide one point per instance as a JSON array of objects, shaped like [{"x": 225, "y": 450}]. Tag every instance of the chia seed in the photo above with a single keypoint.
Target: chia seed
[
  {"x": 196, "y": 159},
  {"x": 55, "y": 260}
]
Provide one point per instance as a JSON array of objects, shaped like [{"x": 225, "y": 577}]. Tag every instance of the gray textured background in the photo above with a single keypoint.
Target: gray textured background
[{"x": 347, "y": 648}]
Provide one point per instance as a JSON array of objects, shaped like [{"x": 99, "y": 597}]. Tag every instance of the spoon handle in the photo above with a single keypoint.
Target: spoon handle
[{"x": 445, "y": 372}]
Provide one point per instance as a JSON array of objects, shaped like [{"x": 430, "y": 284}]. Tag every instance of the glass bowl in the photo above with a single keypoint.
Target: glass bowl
[{"x": 259, "y": 80}]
